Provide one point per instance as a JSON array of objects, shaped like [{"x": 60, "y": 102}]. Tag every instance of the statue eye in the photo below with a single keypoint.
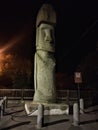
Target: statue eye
[
  {"x": 43, "y": 33},
  {"x": 51, "y": 31},
  {"x": 52, "y": 34}
]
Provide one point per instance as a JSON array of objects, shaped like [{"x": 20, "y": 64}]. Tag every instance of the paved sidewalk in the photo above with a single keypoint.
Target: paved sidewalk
[{"x": 16, "y": 119}]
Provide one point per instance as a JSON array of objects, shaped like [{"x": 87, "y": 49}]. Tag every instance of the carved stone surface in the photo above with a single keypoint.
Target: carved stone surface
[
  {"x": 44, "y": 68},
  {"x": 46, "y": 14},
  {"x": 49, "y": 109}
]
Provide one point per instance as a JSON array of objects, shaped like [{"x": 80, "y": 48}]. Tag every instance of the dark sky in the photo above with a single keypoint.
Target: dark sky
[{"x": 75, "y": 23}]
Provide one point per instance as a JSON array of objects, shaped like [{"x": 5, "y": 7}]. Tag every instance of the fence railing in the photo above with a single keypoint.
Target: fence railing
[
  {"x": 62, "y": 95},
  {"x": 70, "y": 96},
  {"x": 17, "y": 93}
]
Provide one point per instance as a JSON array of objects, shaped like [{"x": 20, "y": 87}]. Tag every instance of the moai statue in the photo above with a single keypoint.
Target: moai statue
[{"x": 44, "y": 64}]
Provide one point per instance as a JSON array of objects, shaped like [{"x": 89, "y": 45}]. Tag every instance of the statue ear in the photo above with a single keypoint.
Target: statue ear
[{"x": 37, "y": 36}]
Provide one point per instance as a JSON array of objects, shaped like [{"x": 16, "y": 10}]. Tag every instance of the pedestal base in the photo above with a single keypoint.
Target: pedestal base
[{"x": 49, "y": 109}]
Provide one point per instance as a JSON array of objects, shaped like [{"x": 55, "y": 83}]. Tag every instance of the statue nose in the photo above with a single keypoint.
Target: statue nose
[{"x": 48, "y": 36}]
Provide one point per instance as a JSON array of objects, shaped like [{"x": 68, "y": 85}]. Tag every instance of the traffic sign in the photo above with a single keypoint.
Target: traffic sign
[{"x": 78, "y": 77}]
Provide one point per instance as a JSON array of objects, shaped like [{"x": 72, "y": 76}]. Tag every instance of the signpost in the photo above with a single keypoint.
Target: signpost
[
  {"x": 78, "y": 77},
  {"x": 78, "y": 80}
]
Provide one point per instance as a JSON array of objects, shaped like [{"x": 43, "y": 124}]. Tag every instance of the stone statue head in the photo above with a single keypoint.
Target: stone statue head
[
  {"x": 45, "y": 29},
  {"x": 46, "y": 14},
  {"x": 45, "y": 39}
]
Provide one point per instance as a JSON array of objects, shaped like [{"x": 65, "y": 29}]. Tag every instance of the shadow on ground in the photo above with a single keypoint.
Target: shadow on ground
[
  {"x": 7, "y": 113},
  {"x": 55, "y": 122},
  {"x": 88, "y": 122},
  {"x": 72, "y": 127},
  {"x": 15, "y": 125},
  {"x": 16, "y": 105},
  {"x": 95, "y": 110}
]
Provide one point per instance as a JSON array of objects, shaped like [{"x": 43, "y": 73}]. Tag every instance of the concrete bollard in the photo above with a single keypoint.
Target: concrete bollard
[
  {"x": 4, "y": 104},
  {"x": 40, "y": 116},
  {"x": 1, "y": 109},
  {"x": 81, "y": 106},
  {"x": 75, "y": 114}
]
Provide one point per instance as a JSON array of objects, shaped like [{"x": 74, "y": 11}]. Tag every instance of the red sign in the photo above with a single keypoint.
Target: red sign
[{"x": 78, "y": 77}]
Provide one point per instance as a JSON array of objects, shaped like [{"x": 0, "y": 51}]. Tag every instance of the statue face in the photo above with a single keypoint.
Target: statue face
[{"x": 46, "y": 37}]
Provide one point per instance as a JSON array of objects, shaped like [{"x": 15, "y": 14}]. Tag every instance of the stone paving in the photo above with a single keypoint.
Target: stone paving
[{"x": 16, "y": 118}]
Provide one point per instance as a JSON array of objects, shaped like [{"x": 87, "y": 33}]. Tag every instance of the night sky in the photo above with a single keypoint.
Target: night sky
[{"x": 76, "y": 30}]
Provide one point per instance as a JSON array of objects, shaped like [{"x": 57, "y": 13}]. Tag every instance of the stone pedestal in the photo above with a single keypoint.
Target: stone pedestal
[{"x": 49, "y": 109}]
